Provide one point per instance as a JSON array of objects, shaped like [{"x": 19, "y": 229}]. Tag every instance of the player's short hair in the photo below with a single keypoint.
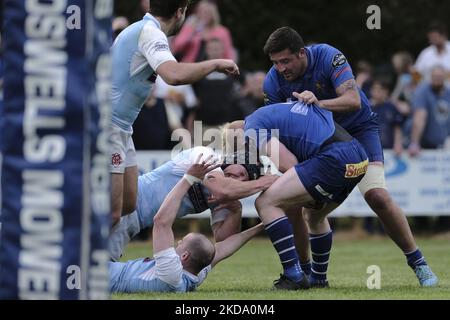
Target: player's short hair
[
  {"x": 201, "y": 251},
  {"x": 166, "y": 8},
  {"x": 284, "y": 38}
]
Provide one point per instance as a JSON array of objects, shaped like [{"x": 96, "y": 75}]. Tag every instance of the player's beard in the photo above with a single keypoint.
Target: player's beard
[
  {"x": 288, "y": 76},
  {"x": 291, "y": 76},
  {"x": 176, "y": 28}
]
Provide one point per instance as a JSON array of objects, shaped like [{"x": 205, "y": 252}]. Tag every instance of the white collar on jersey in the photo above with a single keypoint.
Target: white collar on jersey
[
  {"x": 152, "y": 18},
  {"x": 191, "y": 275}
]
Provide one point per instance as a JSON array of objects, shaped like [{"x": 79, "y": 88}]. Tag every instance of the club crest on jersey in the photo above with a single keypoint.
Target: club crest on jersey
[
  {"x": 355, "y": 170},
  {"x": 339, "y": 60},
  {"x": 319, "y": 86},
  {"x": 116, "y": 160}
]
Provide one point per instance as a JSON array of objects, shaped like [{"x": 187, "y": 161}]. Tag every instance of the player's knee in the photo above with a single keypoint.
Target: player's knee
[
  {"x": 378, "y": 199},
  {"x": 306, "y": 215},
  {"x": 373, "y": 179},
  {"x": 259, "y": 203},
  {"x": 311, "y": 218},
  {"x": 263, "y": 202}
]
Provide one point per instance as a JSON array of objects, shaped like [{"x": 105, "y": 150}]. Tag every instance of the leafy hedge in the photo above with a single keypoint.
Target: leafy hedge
[{"x": 341, "y": 23}]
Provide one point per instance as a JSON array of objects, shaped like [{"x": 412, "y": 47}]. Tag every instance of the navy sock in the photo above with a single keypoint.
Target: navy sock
[
  {"x": 415, "y": 259},
  {"x": 280, "y": 233},
  {"x": 306, "y": 268},
  {"x": 320, "y": 249}
]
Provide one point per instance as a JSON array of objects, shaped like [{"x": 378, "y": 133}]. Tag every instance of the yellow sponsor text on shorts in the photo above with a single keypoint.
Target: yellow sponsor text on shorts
[{"x": 354, "y": 170}]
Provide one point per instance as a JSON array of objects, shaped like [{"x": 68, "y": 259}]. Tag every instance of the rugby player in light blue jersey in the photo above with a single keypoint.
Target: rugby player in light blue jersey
[
  {"x": 322, "y": 164},
  {"x": 140, "y": 53},
  {"x": 320, "y": 74},
  {"x": 184, "y": 267},
  {"x": 235, "y": 181}
]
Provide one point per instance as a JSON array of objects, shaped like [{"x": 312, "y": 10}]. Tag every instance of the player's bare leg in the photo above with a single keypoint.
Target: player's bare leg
[
  {"x": 287, "y": 192},
  {"x": 394, "y": 222},
  {"x": 391, "y": 216},
  {"x": 130, "y": 190},
  {"x": 117, "y": 181}
]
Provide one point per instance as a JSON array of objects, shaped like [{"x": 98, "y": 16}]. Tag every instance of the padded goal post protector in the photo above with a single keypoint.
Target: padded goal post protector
[{"x": 55, "y": 203}]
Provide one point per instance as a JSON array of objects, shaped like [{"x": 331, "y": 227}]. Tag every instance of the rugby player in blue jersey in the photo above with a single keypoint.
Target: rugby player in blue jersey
[
  {"x": 321, "y": 163},
  {"x": 140, "y": 53},
  {"x": 321, "y": 75},
  {"x": 184, "y": 267}
]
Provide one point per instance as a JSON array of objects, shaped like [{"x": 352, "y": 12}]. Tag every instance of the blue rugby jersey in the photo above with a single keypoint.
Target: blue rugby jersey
[
  {"x": 327, "y": 69},
  {"x": 302, "y": 128}
]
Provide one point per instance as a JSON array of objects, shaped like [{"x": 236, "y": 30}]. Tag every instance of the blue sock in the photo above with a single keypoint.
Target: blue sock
[
  {"x": 415, "y": 259},
  {"x": 320, "y": 249},
  {"x": 280, "y": 233},
  {"x": 306, "y": 268}
]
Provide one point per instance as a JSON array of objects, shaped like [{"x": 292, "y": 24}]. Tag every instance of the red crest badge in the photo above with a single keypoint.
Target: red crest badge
[{"x": 116, "y": 159}]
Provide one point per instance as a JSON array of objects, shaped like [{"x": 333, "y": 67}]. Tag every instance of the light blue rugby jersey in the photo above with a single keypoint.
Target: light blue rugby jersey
[
  {"x": 136, "y": 54},
  {"x": 148, "y": 275},
  {"x": 153, "y": 187}
]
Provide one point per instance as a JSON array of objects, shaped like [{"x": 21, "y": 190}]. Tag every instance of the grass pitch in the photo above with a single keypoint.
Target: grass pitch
[{"x": 250, "y": 272}]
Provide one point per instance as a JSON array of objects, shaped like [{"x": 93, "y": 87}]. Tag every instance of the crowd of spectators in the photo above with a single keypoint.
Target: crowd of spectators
[{"x": 411, "y": 96}]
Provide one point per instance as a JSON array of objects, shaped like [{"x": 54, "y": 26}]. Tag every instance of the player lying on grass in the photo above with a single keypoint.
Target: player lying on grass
[
  {"x": 184, "y": 267},
  {"x": 235, "y": 181},
  {"x": 321, "y": 163}
]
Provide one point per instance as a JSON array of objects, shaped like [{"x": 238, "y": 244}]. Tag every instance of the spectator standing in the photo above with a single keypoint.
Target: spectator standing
[
  {"x": 438, "y": 53},
  {"x": 252, "y": 94},
  {"x": 431, "y": 113},
  {"x": 389, "y": 118},
  {"x": 216, "y": 93},
  {"x": 364, "y": 74},
  {"x": 151, "y": 130},
  {"x": 405, "y": 85},
  {"x": 203, "y": 25},
  {"x": 431, "y": 125},
  {"x": 179, "y": 102},
  {"x": 165, "y": 110}
]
